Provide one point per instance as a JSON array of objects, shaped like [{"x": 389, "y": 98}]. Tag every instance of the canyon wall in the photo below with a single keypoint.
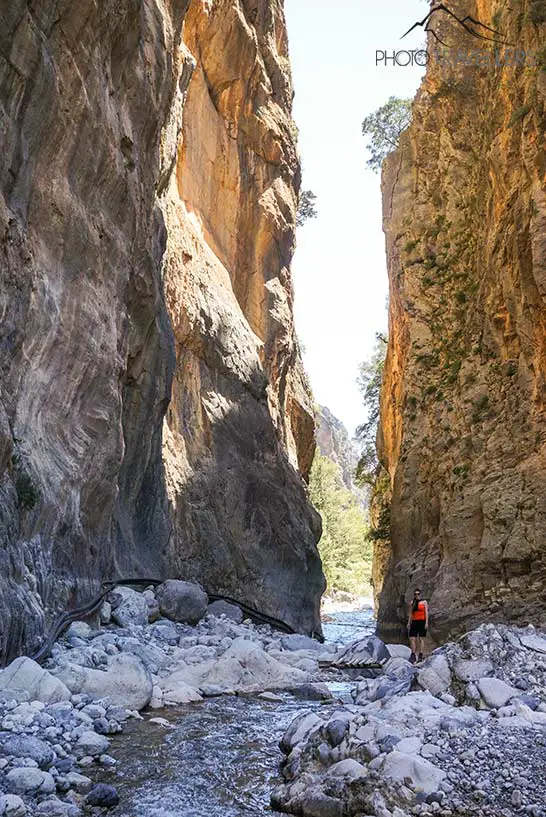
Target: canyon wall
[
  {"x": 154, "y": 419},
  {"x": 463, "y": 428}
]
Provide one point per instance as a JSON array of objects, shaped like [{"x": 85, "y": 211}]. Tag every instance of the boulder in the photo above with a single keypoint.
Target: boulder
[
  {"x": 311, "y": 692},
  {"x": 336, "y": 729},
  {"x": 496, "y": 693},
  {"x": 53, "y": 807},
  {"x": 154, "y": 612},
  {"x": 224, "y": 608},
  {"x": 435, "y": 675},
  {"x": 92, "y": 744},
  {"x": 182, "y": 601},
  {"x": 534, "y": 642},
  {"x": 399, "y": 651},
  {"x": 26, "y": 676},
  {"x": 128, "y": 607},
  {"x": 398, "y": 667},
  {"x": 103, "y": 795},
  {"x": 176, "y": 691},
  {"x": 364, "y": 652},
  {"x": 468, "y": 670},
  {"x": 320, "y": 805},
  {"x": 151, "y": 656},
  {"x": 299, "y": 730},
  {"x": 243, "y": 667},
  {"x": 79, "y": 782},
  {"x": 27, "y": 746},
  {"x": 410, "y": 746},
  {"x": 11, "y": 805},
  {"x": 30, "y": 781},
  {"x": 126, "y": 681},
  {"x": 348, "y": 769},
  {"x": 424, "y": 776},
  {"x": 295, "y": 642}
]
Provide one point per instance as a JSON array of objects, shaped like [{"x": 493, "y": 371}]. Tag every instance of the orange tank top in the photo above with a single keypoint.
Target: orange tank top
[{"x": 420, "y": 614}]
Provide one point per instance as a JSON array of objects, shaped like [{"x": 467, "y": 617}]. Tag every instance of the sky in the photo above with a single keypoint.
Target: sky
[{"x": 339, "y": 269}]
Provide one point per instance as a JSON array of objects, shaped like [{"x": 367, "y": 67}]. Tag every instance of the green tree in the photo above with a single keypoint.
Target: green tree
[
  {"x": 384, "y": 127},
  {"x": 345, "y": 547},
  {"x": 306, "y": 207},
  {"x": 369, "y": 381}
]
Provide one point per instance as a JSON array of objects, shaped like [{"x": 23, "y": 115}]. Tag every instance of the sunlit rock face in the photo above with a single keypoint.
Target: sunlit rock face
[
  {"x": 153, "y": 414},
  {"x": 463, "y": 428}
]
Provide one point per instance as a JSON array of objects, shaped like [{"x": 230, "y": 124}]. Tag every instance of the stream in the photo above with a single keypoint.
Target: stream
[{"x": 219, "y": 758}]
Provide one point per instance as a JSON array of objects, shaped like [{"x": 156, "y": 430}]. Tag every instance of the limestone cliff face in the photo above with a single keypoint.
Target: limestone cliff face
[
  {"x": 153, "y": 413},
  {"x": 463, "y": 428}
]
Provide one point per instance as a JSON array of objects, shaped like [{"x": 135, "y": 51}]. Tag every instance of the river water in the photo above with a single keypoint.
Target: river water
[{"x": 220, "y": 758}]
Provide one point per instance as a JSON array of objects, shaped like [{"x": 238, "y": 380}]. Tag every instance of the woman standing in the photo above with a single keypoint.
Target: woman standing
[{"x": 417, "y": 626}]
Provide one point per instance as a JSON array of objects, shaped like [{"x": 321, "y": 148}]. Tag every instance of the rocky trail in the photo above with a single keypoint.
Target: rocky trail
[{"x": 152, "y": 716}]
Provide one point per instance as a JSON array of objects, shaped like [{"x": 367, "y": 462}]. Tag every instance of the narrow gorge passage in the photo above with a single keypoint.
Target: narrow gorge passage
[
  {"x": 272, "y": 332},
  {"x": 219, "y": 758}
]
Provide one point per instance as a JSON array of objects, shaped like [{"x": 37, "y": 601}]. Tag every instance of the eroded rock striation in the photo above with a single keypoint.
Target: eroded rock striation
[
  {"x": 154, "y": 419},
  {"x": 463, "y": 428}
]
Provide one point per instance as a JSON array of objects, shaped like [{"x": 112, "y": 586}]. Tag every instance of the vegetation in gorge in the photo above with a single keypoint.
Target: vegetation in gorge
[
  {"x": 384, "y": 128},
  {"x": 345, "y": 546},
  {"x": 369, "y": 381},
  {"x": 306, "y": 207}
]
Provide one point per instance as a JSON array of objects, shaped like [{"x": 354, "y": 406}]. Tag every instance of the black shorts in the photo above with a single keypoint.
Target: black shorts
[{"x": 417, "y": 628}]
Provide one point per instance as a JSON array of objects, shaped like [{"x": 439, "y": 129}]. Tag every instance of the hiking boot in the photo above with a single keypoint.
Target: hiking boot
[
  {"x": 421, "y": 657},
  {"x": 412, "y": 658}
]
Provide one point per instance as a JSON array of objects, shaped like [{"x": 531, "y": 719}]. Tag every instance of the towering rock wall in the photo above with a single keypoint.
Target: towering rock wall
[
  {"x": 333, "y": 441},
  {"x": 153, "y": 415},
  {"x": 463, "y": 428}
]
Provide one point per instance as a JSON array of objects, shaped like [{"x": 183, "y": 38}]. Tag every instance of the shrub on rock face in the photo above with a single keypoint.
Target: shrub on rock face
[{"x": 180, "y": 601}]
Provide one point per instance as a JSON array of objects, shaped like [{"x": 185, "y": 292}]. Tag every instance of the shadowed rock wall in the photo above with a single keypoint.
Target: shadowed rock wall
[{"x": 153, "y": 416}]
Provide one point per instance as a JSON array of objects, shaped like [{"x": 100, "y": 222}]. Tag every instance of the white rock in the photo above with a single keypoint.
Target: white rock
[
  {"x": 132, "y": 608},
  {"x": 349, "y": 769},
  {"x": 425, "y": 776},
  {"x": 29, "y": 780},
  {"x": 298, "y": 642},
  {"x": 243, "y": 667},
  {"x": 176, "y": 691},
  {"x": 399, "y": 651},
  {"x": 79, "y": 782},
  {"x": 270, "y": 696},
  {"x": 11, "y": 805},
  {"x": 224, "y": 608},
  {"x": 92, "y": 744},
  {"x": 365, "y": 733},
  {"x": 300, "y": 729},
  {"x": 496, "y": 693},
  {"x": 161, "y": 722},
  {"x": 126, "y": 681},
  {"x": 435, "y": 675},
  {"x": 410, "y": 746},
  {"x": 105, "y": 613},
  {"x": 79, "y": 629},
  {"x": 534, "y": 642},
  {"x": 156, "y": 701},
  {"x": 472, "y": 669},
  {"x": 25, "y": 675},
  {"x": 430, "y": 750}
]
